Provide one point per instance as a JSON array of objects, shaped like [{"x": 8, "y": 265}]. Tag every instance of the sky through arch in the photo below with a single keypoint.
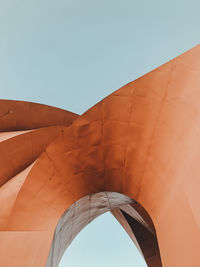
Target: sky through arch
[{"x": 103, "y": 242}]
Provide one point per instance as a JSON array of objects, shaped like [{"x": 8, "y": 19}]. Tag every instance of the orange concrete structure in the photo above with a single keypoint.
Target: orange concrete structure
[{"x": 135, "y": 153}]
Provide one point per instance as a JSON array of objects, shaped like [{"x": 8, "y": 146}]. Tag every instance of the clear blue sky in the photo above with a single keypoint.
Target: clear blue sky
[{"x": 72, "y": 53}]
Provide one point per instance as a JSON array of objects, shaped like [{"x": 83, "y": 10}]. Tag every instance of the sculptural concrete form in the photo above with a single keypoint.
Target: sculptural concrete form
[{"x": 135, "y": 153}]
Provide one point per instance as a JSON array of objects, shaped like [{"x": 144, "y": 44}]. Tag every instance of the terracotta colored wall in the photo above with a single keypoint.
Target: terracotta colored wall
[{"x": 142, "y": 141}]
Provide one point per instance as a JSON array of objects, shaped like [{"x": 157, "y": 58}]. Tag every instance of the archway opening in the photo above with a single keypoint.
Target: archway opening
[
  {"x": 130, "y": 214},
  {"x": 103, "y": 242}
]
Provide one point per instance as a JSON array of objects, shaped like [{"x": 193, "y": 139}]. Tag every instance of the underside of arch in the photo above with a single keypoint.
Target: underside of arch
[{"x": 124, "y": 209}]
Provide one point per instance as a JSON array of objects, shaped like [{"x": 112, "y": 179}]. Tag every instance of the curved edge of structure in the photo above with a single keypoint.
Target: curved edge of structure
[{"x": 20, "y": 115}]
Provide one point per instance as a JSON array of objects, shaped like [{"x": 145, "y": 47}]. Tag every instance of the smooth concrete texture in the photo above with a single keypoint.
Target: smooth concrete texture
[{"x": 141, "y": 141}]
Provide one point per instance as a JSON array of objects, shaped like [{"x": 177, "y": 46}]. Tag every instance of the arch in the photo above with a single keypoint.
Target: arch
[
  {"x": 141, "y": 141},
  {"x": 87, "y": 208}
]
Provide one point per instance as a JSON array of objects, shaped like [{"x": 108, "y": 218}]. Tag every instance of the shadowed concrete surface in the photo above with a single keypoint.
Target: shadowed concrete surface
[{"x": 135, "y": 153}]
